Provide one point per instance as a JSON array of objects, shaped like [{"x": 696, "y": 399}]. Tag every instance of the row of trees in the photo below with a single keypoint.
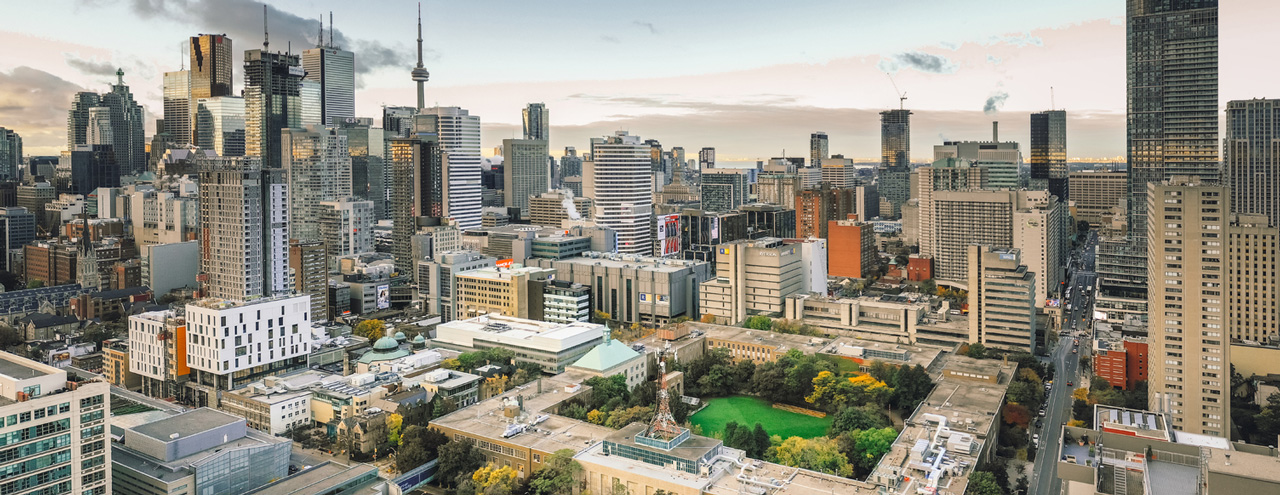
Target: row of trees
[
  {"x": 462, "y": 467},
  {"x": 794, "y": 327},
  {"x": 611, "y": 404}
]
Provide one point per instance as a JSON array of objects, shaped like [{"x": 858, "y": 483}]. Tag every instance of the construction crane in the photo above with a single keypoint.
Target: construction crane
[{"x": 902, "y": 95}]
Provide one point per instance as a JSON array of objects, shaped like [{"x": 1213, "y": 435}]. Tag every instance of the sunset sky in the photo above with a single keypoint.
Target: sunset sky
[{"x": 750, "y": 78}]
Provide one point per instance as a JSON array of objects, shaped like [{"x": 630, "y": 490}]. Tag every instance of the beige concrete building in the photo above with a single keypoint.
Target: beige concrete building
[
  {"x": 951, "y": 221},
  {"x": 1041, "y": 235},
  {"x": 1209, "y": 283},
  {"x": 496, "y": 290},
  {"x": 549, "y": 209},
  {"x": 752, "y": 277},
  {"x": 899, "y": 319},
  {"x": 1094, "y": 193},
  {"x": 1002, "y": 312},
  {"x": 115, "y": 365},
  {"x": 778, "y": 188}
]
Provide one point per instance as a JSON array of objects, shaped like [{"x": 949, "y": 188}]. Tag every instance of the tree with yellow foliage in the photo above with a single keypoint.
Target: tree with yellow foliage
[
  {"x": 1081, "y": 394},
  {"x": 833, "y": 393},
  {"x": 596, "y": 417},
  {"x": 394, "y": 422},
  {"x": 370, "y": 329},
  {"x": 493, "y": 480}
]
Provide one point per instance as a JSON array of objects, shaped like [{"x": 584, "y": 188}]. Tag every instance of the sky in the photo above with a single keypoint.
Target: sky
[{"x": 751, "y": 78}]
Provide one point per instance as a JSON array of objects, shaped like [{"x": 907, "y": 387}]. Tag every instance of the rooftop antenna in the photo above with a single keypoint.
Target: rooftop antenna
[
  {"x": 266, "y": 36},
  {"x": 320, "y": 40},
  {"x": 902, "y": 96},
  {"x": 1052, "y": 105},
  {"x": 330, "y": 29}
]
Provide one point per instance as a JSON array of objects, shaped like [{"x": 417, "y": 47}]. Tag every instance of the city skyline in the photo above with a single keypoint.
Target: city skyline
[{"x": 701, "y": 76}]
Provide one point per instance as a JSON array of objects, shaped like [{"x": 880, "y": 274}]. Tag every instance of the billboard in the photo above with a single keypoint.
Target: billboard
[
  {"x": 668, "y": 235},
  {"x": 383, "y": 296},
  {"x": 505, "y": 263},
  {"x": 715, "y": 229},
  {"x": 1053, "y": 303}
]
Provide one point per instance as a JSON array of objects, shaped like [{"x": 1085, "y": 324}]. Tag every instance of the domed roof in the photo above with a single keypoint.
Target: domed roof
[
  {"x": 419, "y": 339},
  {"x": 385, "y": 344},
  {"x": 400, "y": 336}
]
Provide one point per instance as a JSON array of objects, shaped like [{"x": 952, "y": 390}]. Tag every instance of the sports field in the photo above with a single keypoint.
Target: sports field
[{"x": 751, "y": 410}]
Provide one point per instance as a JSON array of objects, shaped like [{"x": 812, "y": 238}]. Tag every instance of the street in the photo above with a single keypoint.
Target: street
[{"x": 1044, "y": 479}]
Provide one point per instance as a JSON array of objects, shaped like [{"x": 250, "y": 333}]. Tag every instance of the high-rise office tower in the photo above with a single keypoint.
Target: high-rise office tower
[
  {"x": 1002, "y": 160},
  {"x": 10, "y": 154},
  {"x": 458, "y": 133},
  {"x": 1172, "y": 64},
  {"x": 272, "y": 102},
  {"x": 335, "y": 70},
  {"x": 211, "y": 66},
  {"x": 317, "y": 163},
  {"x": 126, "y": 126},
  {"x": 177, "y": 106},
  {"x": 220, "y": 125},
  {"x": 78, "y": 117},
  {"x": 537, "y": 122},
  {"x": 244, "y": 222},
  {"x": 818, "y": 147},
  {"x": 1187, "y": 301},
  {"x": 370, "y": 176},
  {"x": 309, "y": 103},
  {"x": 570, "y": 163},
  {"x": 618, "y": 179},
  {"x": 398, "y": 121},
  {"x": 417, "y": 190},
  {"x": 707, "y": 158},
  {"x": 1049, "y": 153},
  {"x": 1250, "y": 158},
  {"x": 85, "y": 168},
  {"x": 525, "y": 172},
  {"x": 99, "y": 132},
  {"x": 895, "y": 158},
  {"x": 724, "y": 189}
]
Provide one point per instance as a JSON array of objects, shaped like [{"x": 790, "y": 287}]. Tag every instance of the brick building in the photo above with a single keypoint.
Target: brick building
[
  {"x": 1123, "y": 363},
  {"x": 852, "y": 248}
]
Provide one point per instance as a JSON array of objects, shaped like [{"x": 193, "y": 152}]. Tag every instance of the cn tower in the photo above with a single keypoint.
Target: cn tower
[{"x": 420, "y": 74}]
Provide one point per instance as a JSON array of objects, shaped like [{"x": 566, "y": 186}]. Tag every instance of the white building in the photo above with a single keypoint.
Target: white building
[
  {"x": 346, "y": 226},
  {"x": 74, "y": 455},
  {"x": 161, "y": 217},
  {"x": 813, "y": 254},
  {"x": 459, "y": 138},
  {"x": 553, "y": 346},
  {"x": 224, "y": 337},
  {"x": 619, "y": 180},
  {"x": 318, "y": 166},
  {"x": 334, "y": 68}
]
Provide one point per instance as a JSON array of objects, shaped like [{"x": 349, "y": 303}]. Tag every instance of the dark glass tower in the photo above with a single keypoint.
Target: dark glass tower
[
  {"x": 417, "y": 190},
  {"x": 1172, "y": 64},
  {"x": 1250, "y": 157},
  {"x": 1049, "y": 153},
  {"x": 271, "y": 102},
  {"x": 895, "y": 158},
  {"x": 210, "y": 66}
]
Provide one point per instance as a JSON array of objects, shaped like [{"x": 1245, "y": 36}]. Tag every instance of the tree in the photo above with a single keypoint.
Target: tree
[
  {"x": 452, "y": 363},
  {"x": 35, "y": 284},
  {"x": 1023, "y": 485},
  {"x": 1016, "y": 414},
  {"x": 857, "y": 418},
  {"x": 819, "y": 454},
  {"x": 758, "y": 322},
  {"x": 983, "y": 483},
  {"x": 457, "y": 459},
  {"x": 977, "y": 350},
  {"x": 600, "y": 317},
  {"x": 759, "y": 442},
  {"x": 371, "y": 329},
  {"x": 1080, "y": 410},
  {"x": 1082, "y": 226},
  {"x": 493, "y": 480},
  {"x": 623, "y": 417},
  {"x": 864, "y": 448},
  {"x": 882, "y": 371},
  {"x": 596, "y": 417},
  {"x": 1026, "y": 393},
  {"x": 420, "y": 446},
  {"x": 556, "y": 476},
  {"x": 394, "y": 422},
  {"x": 911, "y": 384},
  {"x": 708, "y": 318}
]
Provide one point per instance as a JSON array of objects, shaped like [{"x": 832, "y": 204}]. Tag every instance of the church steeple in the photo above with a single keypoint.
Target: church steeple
[{"x": 87, "y": 274}]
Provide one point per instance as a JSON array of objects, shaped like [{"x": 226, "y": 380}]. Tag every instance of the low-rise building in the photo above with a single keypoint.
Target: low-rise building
[
  {"x": 906, "y": 318},
  {"x": 635, "y": 289},
  {"x": 611, "y": 358},
  {"x": 276, "y": 404},
  {"x": 505, "y": 291},
  {"x": 463, "y": 389},
  {"x": 115, "y": 365},
  {"x": 553, "y": 346}
]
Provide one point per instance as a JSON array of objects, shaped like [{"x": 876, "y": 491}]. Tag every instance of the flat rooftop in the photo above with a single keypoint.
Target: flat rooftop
[
  {"x": 644, "y": 263},
  {"x": 17, "y": 369},
  {"x": 316, "y": 480},
  {"x": 595, "y": 455},
  {"x": 870, "y": 350},
  {"x": 187, "y": 424},
  {"x": 783, "y": 341},
  {"x": 691, "y": 449},
  {"x": 509, "y": 327}
]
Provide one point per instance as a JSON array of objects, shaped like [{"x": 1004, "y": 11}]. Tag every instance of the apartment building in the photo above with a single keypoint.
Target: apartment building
[
  {"x": 1096, "y": 192},
  {"x": 158, "y": 352},
  {"x": 231, "y": 343},
  {"x": 1002, "y": 309}
]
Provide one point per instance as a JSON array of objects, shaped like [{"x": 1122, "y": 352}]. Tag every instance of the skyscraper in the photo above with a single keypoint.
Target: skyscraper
[
  {"x": 1172, "y": 64},
  {"x": 724, "y": 189},
  {"x": 85, "y": 168},
  {"x": 707, "y": 158},
  {"x": 1049, "y": 153},
  {"x": 244, "y": 224},
  {"x": 211, "y": 66},
  {"x": 272, "y": 102},
  {"x": 537, "y": 122},
  {"x": 126, "y": 126},
  {"x": 317, "y": 163},
  {"x": 895, "y": 158},
  {"x": 177, "y": 106},
  {"x": 458, "y": 134},
  {"x": 1251, "y": 163},
  {"x": 370, "y": 175},
  {"x": 618, "y": 178},
  {"x": 78, "y": 117},
  {"x": 525, "y": 172},
  {"x": 417, "y": 190},
  {"x": 10, "y": 154},
  {"x": 398, "y": 121},
  {"x": 335, "y": 70},
  {"x": 99, "y": 132},
  {"x": 818, "y": 147},
  {"x": 220, "y": 125}
]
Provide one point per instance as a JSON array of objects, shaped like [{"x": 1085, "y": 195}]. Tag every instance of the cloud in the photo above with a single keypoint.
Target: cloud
[
  {"x": 950, "y": 45},
  {"x": 34, "y": 104},
  {"x": 923, "y": 62},
  {"x": 609, "y": 39},
  {"x": 648, "y": 25},
  {"x": 242, "y": 21},
  {"x": 995, "y": 102},
  {"x": 92, "y": 66},
  {"x": 994, "y": 60},
  {"x": 1018, "y": 40}
]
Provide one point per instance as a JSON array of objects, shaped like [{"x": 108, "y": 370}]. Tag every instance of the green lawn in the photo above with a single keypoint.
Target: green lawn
[{"x": 751, "y": 410}]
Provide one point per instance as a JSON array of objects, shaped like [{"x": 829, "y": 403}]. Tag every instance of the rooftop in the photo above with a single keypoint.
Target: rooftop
[
  {"x": 223, "y": 304},
  {"x": 186, "y": 424},
  {"x": 485, "y": 419},
  {"x": 19, "y": 368},
  {"x": 646, "y": 263},
  {"x": 782, "y": 341},
  {"x": 512, "y": 330},
  {"x": 607, "y": 355},
  {"x": 317, "y": 479}
]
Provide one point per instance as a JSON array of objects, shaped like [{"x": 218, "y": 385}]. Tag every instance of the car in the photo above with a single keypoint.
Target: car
[
  {"x": 1075, "y": 351},
  {"x": 1035, "y": 437},
  {"x": 1069, "y": 384},
  {"x": 1041, "y": 412},
  {"x": 1039, "y": 423}
]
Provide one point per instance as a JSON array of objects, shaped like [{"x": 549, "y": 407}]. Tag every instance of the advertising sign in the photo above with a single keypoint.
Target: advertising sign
[
  {"x": 383, "y": 297},
  {"x": 715, "y": 229},
  {"x": 506, "y": 263},
  {"x": 668, "y": 235}
]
